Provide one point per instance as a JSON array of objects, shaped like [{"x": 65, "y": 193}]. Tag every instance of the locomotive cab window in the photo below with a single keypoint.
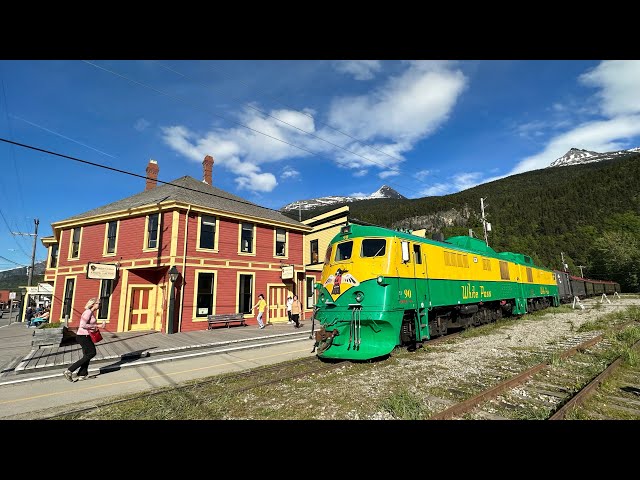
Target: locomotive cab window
[
  {"x": 529, "y": 275},
  {"x": 373, "y": 247},
  {"x": 343, "y": 251}
]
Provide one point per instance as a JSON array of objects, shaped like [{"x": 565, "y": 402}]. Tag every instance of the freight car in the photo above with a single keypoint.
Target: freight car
[
  {"x": 570, "y": 286},
  {"x": 382, "y": 288}
]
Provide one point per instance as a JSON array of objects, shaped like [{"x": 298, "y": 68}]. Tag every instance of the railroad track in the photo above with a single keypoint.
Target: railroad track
[{"x": 552, "y": 389}]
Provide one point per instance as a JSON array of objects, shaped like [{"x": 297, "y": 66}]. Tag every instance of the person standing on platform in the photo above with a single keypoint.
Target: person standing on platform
[
  {"x": 296, "y": 309},
  {"x": 261, "y": 305}
]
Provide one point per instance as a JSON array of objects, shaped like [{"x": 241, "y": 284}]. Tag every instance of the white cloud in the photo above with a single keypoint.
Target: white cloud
[
  {"x": 407, "y": 108},
  {"x": 388, "y": 173},
  {"x": 603, "y": 136},
  {"x": 390, "y": 119},
  {"x": 141, "y": 124},
  {"x": 289, "y": 173},
  {"x": 422, "y": 174},
  {"x": 360, "y": 69},
  {"x": 456, "y": 183},
  {"x": 619, "y": 101},
  {"x": 618, "y": 81}
]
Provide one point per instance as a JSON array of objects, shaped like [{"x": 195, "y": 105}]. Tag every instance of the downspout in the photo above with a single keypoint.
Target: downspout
[{"x": 184, "y": 266}]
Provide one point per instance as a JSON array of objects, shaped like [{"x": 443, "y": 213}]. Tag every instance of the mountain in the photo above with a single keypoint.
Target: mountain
[
  {"x": 18, "y": 277},
  {"x": 383, "y": 192},
  {"x": 577, "y": 156}
]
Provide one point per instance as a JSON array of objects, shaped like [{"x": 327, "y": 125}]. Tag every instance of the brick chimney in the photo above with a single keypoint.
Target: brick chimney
[
  {"x": 152, "y": 174},
  {"x": 207, "y": 167}
]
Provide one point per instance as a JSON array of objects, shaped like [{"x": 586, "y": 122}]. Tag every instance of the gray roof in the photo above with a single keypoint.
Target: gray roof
[{"x": 191, "y": 191}]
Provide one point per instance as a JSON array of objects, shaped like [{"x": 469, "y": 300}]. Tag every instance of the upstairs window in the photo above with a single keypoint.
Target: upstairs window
[
  {"x": 281, "y": 242},
  {"x": 246, "y": 238},
  {"x": 313, "y": 246},
  {"x": 112, "y": 230},
  {"x": 152, "y": 230},
  {"x": 53, "y": 263},
  {"x": 207, "y": 232},
  {"x": 75, "y": 243}
]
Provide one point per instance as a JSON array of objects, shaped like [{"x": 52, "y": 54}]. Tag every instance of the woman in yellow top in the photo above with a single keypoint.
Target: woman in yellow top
[
  {"x": 261, "y": 305},
  {"x": 296, "y": 309}
]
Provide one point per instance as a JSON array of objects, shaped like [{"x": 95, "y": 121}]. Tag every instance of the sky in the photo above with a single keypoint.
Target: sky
[{"x": 288, "y": 130}]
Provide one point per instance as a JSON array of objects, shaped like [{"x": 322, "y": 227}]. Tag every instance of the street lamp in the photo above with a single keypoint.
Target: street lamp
[{"x": 173, "y": 276}]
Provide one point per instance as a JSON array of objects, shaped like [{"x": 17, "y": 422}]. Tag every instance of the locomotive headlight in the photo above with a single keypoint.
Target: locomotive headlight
[
  {"x": 359, "y": 297},
  {"x": 322, "y": 298},
  {"x": 380, "y": 280}
]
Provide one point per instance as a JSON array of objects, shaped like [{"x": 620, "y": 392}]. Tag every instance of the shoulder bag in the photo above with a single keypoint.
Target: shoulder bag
[{"x": 96, "y": 336}]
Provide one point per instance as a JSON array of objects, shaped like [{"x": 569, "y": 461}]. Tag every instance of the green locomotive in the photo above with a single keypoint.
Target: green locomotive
[{"x": 382, "y": 288}]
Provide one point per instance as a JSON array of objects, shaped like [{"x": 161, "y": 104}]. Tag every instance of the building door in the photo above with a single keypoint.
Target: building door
[
  {"x": 141, "y": 308},
  {"x": 277, "y": 303}
]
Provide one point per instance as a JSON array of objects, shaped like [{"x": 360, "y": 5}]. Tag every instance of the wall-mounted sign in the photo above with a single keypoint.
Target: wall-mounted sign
[
  {"x": 102, "y": 271},
  {"x": 287, "y": 272}
]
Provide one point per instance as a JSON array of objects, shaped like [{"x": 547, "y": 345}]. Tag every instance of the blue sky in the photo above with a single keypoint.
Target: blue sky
[{"x": 285, "y": 130}]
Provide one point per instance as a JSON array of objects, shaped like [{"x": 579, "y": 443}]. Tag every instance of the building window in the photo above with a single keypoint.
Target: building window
[
  {"x": 417, "y": 254},
  {"x": 68, "y": 297},
  {"x": 204, "y": 301},
  {"x": 207, "y": 232},
  {"x": 54, "y": 256},
  {"x": 504, "y": 270},
  {"x": 313, "y": 245},
  {"x": 245, "y": 293},
  {"x": 281, "y": 242},
  {"x": 75, "y": 243},
  {"x": 310, "y": 292},
  {"x": 106, "y": 288},
  {"x": 112, "y": 230},
  {"x": 246, "y": 238},
  {"x": 152, "y": 230}
]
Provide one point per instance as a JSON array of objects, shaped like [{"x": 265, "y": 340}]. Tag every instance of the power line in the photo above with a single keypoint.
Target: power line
[{"x": 94, "y": 164}]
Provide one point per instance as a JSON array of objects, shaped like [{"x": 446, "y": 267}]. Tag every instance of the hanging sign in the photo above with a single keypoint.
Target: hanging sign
[
  {"x": 102, "y": 271},
  {"x": 287, "y": 272}
]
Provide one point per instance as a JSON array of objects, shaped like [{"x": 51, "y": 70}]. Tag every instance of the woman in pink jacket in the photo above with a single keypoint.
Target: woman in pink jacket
[{"x": 88, "y": 322}]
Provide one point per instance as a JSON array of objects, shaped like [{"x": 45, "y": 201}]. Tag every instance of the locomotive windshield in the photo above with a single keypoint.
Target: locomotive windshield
[
  {"x": 343, "y": 251},
  {"x": 373, "y": 247}
]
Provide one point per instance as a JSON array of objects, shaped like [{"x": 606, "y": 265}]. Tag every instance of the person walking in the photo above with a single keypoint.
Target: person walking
[
  {"x": 88, "y": 323},
  {"x": 261, "y": 305},
  {"x": 296, "y": 309},
  {"x": 289, "y": 302}
]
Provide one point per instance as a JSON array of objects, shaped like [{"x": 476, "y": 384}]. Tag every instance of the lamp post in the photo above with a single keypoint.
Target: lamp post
[{"x": 173, "y": 276}]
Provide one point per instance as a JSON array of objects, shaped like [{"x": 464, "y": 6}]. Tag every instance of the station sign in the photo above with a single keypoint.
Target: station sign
[{"x": 102, "y": 271}]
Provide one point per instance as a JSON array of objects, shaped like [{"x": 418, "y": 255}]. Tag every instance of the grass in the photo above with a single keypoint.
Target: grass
[{"x": 403, "y": 405}]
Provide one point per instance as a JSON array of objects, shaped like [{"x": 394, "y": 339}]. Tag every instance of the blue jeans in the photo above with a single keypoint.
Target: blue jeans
[{"x": 260, "y": 314}]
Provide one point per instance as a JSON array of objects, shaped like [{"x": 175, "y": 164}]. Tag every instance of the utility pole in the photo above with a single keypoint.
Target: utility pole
[
  {"x": 564, "y": 265},
  {"x": 33, "y": 252},
  {"x": 486, "y": 226},
  {"x": 581, "y": 267}
]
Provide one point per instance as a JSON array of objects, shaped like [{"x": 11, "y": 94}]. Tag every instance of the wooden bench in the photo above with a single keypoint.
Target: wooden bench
[{"x": 226, "y": 318}]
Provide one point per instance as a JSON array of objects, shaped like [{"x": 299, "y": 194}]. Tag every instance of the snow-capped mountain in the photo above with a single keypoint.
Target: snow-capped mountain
[
  {"x": 383, "y": 192},
  {"x": 577, "y": 156}
]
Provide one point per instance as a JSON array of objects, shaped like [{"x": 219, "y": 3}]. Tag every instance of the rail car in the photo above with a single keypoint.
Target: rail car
[
  {"x": 382, "y": 288},
  {"x": 570, "y": 286}
]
